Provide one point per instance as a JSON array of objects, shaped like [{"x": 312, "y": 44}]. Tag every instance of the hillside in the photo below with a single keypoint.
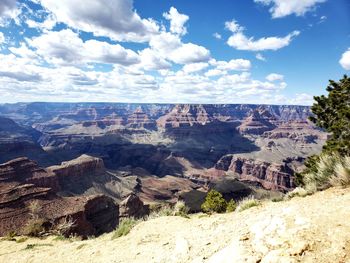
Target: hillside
[{"x": 311, "y": 229}]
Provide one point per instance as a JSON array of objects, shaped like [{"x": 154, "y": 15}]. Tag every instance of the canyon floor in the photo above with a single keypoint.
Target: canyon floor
[{"x": 311, "y": 229}]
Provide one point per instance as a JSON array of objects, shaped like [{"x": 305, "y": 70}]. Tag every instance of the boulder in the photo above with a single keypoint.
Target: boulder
[{"x": 132, "y": 206}]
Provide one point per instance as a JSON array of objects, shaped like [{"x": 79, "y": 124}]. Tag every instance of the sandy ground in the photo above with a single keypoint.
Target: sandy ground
[{"x": 311, "y": 229}]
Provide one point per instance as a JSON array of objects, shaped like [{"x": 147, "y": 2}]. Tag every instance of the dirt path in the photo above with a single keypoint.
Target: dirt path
[{"x": 311, "y": 229}]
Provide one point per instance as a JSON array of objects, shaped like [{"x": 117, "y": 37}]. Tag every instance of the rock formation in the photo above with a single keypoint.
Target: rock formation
[
  {"x": 132, "y": 206},
  {"x": 270, "y": 175},
  {"x": 184, "y": 140},
  {"x": 28, "y": 193}
]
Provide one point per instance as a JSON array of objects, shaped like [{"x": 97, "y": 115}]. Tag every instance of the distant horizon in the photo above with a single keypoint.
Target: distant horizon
[{"x": 150, "y": 103}]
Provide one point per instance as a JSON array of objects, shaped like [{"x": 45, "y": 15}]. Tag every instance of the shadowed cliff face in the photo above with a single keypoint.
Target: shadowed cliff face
[{"x": 163, "y": 139}]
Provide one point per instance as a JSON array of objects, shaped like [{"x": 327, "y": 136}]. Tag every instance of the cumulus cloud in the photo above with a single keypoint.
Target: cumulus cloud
[
  {"x": 241, "y": 42},
  {"x": 234, "y": 64},
  {"x": 8, "y": 10},
  {"x": 194, "y": 67},
  {"x": 73, "y": 50},
  {"x": 274, "y": 77},
  {"x": 177, "y": 21},
  {"x": 170, "y": 47},
  {"x": 345, "y": 60},
  {"x": 282, "y": 8},
  {"x": 113, "y": 18}
]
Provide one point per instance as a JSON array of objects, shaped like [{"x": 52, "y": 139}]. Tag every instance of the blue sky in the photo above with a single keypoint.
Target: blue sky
[{"x": 175, "y": 51}]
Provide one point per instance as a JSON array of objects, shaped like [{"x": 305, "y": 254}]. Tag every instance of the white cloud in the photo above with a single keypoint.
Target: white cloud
[
  {"x": 170, "y": 47},
  {"x": 274, "y": 77},
  {"x": 177, "y": 21},
  {"x": 47, "y": 24},
  {"x": 345, "y": 60},
  {"x": 113, "y": 18},
  {"x": 281, "y": 8},
  {"x": 2, "y": 38},
  {"x": 234, "y": 64},
  {"x": 150, "y": 60},
  {"x": 241, "y": 42},
  {"x": 190, "y": 53},
  {"x": 301, "y": 99},
  {"x": 215, "y": 72},
  {"x": 194, "y": 67},
  {"x": 217, "y": 35},
  {"x": 8, "y": 10},
  {"x": 74, "y": 51},
  {"x": 260, "y": 56},
  {"x": 233, "y": 26}
]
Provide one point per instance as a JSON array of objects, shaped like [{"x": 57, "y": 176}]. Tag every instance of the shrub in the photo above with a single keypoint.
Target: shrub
[
  {"x": 64, "y": 227},
  {"x": 329, "y": 170},
  {"x": 277, "y": 199},
  {"x": 180, "y": 209},
  {"x": 214, "y": 202},
  {"x": 124, "y": 227},
  {"x": 341, "y": 176},
  {"x": 35, "y": 228},
  {"x": 231, "y": 206},
  {"x": 22, "y": 239},
  {"x": 247, "y": 203},
  {"x": 296, "y": 192}
]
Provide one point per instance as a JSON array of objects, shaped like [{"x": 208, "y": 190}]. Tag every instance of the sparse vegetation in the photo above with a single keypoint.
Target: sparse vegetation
[
  {"x": 81, "y": 246},
  {"x": 331, "y": 113},
  {"x": 21, "y": 239},
  {"x": 277, "y": 199},
  {"x": 214, "y": 203},
  {"x": 231, "y": 206},
  {"x": 329, "y": 170},
  {"x": 247, "y": 203},
  {"x": 10, "y": 236},
  {"x": 35, "y": 227},
  {"x": 299, "y": 191},
  {"x": 31, "y": 246},
  {"x": 63, "y": 227},
  {"x": 124, "y": 227},
  {"x": 180, "y": 209}
]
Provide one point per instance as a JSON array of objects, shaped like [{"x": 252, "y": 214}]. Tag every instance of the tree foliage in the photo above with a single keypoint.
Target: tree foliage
[
  {"x": 332, "y": 113},
  {"x": 214, "y": 202}
]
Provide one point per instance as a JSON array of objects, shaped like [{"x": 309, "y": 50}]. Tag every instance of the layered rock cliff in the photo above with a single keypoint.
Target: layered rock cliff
[{"x": 28, "y": 193}]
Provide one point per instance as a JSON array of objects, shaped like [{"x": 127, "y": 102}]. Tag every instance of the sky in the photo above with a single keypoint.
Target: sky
[{"x": 172, "y": 51}]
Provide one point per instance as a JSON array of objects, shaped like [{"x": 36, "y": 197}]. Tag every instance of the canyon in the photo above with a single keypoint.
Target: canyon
[{"x": 138, "y": 154}]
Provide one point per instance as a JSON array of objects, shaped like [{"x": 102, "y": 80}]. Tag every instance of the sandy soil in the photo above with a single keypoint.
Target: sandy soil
[{"x": 311, "y": 229}]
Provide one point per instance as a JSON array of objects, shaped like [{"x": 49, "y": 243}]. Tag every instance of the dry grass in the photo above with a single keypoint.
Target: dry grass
[
  {"x": 331, "y": 170},
  {"x": 247, "y": 203},
  {"x": 341, "y": 176},
  {"x": 299, "y": 191}
]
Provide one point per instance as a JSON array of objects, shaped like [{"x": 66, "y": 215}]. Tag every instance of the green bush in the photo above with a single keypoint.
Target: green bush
[
  {"x": 214, "y": 202},
  {"x": 231, "y": 206}
]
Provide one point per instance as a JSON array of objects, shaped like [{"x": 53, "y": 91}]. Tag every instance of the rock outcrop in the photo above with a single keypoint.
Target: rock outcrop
[
  {"x": 270, "y": 175},
  {"x": 28, "y": 193},
  {"x": 132, "y": 206},
  {"x": 258, "y": 122}
]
